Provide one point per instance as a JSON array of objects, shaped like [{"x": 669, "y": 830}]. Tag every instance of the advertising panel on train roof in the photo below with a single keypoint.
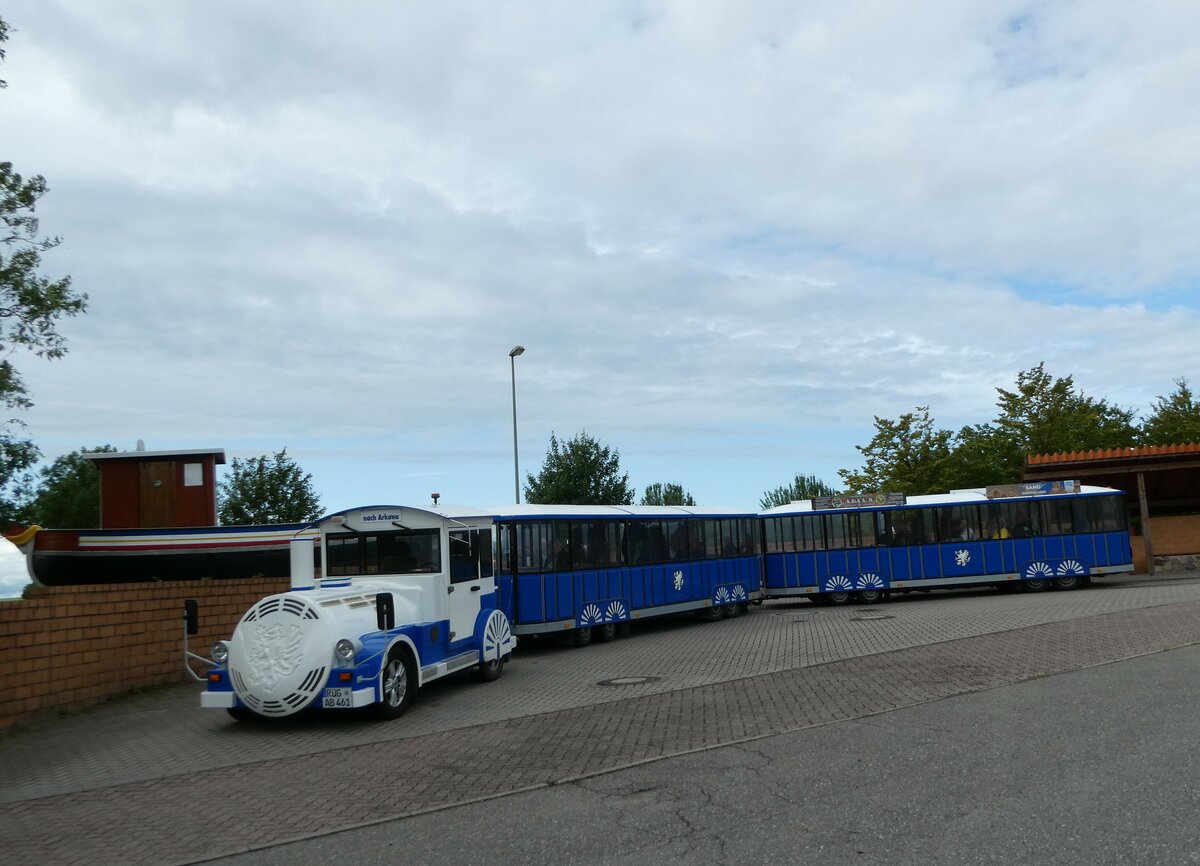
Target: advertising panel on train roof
[
  {"x": 864, "y": 500},
  {"x": 1032, "y": 488}
]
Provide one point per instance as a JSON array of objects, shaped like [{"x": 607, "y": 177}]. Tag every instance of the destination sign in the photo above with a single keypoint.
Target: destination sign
[{"x": 379, "y": 516}]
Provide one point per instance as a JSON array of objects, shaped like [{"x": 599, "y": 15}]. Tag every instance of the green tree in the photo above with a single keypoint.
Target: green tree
[
  {"x": 262, "y": 490},
  {"x": 659, "y": 493},
  {"x": 984, "y": 455},
  {"x": 68, "y": 494},
  {"x": 1045, "y": 415},
  {"x": 580, "y": 471},
  {"x": 904, "y": 456},
  {"x": 803, "y": 487},
  {"x": 30, "y": 308},
  {"x": 1174, "y": 419},
  {"x": 1042, "y": 415}
]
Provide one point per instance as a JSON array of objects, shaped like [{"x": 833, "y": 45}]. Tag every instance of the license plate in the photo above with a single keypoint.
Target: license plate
[{"x": 337, "y": 699}]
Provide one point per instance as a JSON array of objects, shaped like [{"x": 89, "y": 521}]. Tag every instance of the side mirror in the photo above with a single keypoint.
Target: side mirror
[
  {"x": 385, "y": 611},
  {"x": 191, "y": 615}
]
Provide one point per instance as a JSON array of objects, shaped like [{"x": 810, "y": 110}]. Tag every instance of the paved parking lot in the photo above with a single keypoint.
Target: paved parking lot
[{"x": 154, "y": 779}]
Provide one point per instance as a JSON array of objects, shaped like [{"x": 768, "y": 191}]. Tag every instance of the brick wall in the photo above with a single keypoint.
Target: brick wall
[
  {"x": 67, "y": 647},
  {"x": 1172, "y": 536}
]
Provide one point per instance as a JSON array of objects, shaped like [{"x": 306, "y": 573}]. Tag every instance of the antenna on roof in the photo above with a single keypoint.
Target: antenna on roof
[{"x": 436, "y": 497}]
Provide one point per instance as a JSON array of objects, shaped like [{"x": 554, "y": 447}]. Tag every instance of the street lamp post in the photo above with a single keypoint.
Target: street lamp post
[{"x": 512, "y": 358}]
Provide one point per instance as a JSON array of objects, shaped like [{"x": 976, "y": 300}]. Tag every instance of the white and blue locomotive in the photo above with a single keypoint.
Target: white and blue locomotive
[{"x": 408, "y": 595}]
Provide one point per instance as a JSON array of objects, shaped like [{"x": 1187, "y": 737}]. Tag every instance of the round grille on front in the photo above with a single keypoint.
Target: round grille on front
[{"x": 279, "y": 656}]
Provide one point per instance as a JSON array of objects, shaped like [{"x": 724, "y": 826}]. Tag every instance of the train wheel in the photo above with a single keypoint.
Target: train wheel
[
  {"x": 488, "y": 672},
  {"x": 398, "y": 684},
  {"x": 709, "y": 614},
  {"x": 736, "y": 609},
  {"x": 1035, "y": 585},
  {"x": 242, "y": 714},
  {"x": 1067, "y": 581},
  {"x": 837, "y": 599},
  {"x": 582, "y": 636},
  {"x": 870, "y": 596},
  {"x": 604, "y": 633}
]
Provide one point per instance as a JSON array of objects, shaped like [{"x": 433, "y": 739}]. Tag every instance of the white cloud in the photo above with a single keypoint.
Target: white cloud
[{"x": 729, "y": 235}]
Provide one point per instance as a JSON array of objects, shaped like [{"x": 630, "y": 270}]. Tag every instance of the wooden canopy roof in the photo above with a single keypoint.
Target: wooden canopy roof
[{"x": 1170, "y": 473}]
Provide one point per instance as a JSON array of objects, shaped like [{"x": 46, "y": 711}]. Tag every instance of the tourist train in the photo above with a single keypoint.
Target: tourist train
[{"x": 410, "y": 594}]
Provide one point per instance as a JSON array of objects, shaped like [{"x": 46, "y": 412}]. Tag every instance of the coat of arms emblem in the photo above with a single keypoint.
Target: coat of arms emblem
[{"x": 273, "y": 653}]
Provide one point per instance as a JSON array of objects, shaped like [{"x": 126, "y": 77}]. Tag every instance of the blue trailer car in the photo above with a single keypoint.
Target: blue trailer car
[{"x": 1036, "y": 536}]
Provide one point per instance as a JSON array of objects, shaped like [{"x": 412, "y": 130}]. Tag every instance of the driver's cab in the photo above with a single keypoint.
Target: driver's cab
[{"x": 436, "y": 562}]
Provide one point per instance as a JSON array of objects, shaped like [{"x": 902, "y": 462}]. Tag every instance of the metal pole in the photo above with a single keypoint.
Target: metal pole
[{"x": 512, "y": 357}]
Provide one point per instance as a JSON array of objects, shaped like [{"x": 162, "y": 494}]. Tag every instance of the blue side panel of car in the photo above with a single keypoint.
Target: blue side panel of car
[{"x": 556, "y": 597}]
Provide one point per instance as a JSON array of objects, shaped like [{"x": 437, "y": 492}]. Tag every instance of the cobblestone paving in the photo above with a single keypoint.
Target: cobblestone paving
[{"x": 783, "y": 668}]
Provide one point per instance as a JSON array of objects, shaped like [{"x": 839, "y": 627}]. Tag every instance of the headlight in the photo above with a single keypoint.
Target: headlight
[
  {"x": 220, "y": 652},
  {"x": 344, "y": 650}
]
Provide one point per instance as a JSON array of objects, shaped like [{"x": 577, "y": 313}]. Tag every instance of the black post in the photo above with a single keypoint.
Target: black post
[
  {"x": 191, "y": 615},
  {"x": 385, "y": 611}
]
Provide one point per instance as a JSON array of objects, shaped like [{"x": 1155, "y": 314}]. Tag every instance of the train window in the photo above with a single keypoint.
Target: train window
[
  {"x": 560, "y": 547},
  {"x": 836, "y": 531},
  {"x": 612, "y": 537},
  {"x": 534, "y": 543},
  {"x": 656, "y": 542},
  {"x": 1108, "y": 513},
  {"x": 343, "y": 555},
  {"x": 868, "y": 532},
  {"x": 470, "y": 554},
  {"x": 787, "y": 534},
  {"x": 677, "y": 540},
  {"x": 958, "y": 523},
  {"x": 1017, "y": 519},
  {"x": 808, "y": 533},
  {"x": 883, "y": 528},
  {"x": 995, "y": 521},
  {"x": 504, "y": 541},
  {"x": 909, "y": 526},
  {"x": 594, "y": 547},
  {"x": 409, "y": 551},
  {"x": 711, "y": 536},
  {"x": 486, "y": 558},
  {"x": 637, "y": 550},
  {"x": 773, "y": 529},
  {"x": 1057, "y": 516},
  {"x": 1081, "y": 515},
  {"x": 729, "y": 537},
  {"x": 749, "y": 536}
]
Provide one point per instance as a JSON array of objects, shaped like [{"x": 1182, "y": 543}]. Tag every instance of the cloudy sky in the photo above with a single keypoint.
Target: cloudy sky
[{"x": 728, "y": 234}]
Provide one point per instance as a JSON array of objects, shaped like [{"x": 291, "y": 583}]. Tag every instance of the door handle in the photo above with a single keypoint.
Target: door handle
[{"x": 475, "y": 588}]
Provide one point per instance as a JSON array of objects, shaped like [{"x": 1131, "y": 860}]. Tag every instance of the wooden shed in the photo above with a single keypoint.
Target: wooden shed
[
  {"x": 1161, "y": 481},
  {"x": 141, "y": 489}
]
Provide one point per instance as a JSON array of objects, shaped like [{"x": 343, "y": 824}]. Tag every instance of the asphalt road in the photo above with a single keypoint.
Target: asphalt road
[{"x": 1096, "y": 766}]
